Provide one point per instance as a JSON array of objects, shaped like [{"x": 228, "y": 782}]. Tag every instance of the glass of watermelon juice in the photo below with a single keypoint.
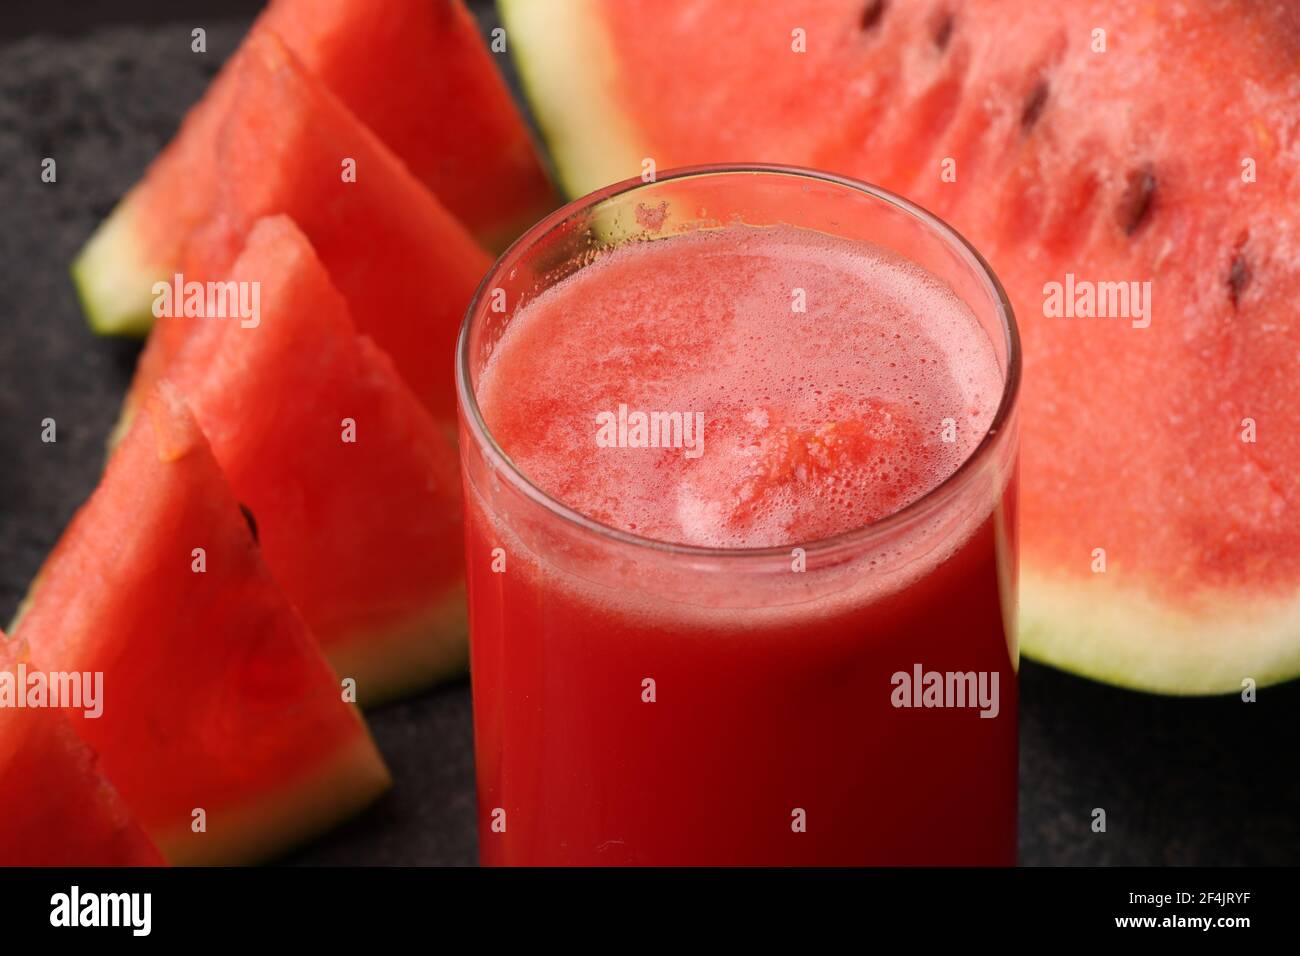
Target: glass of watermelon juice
[{"x": 739, "y": 451}]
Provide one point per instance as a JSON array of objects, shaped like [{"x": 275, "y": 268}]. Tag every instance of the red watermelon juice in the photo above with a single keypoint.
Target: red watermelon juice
[{"x": 741, "y": 538}]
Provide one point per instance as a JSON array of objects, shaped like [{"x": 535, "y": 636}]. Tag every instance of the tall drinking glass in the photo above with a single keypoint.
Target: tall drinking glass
[{"x": 667, "y": 690}]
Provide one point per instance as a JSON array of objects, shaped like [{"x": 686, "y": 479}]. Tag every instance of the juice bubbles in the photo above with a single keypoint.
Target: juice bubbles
[{"x": 770, "y": 623}]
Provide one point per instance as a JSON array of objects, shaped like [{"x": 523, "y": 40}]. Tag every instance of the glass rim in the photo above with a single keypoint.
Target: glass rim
[{"x": 503, "y": 463}]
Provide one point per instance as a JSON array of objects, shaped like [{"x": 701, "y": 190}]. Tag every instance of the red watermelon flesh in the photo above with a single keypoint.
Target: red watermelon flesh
[
  {"x": 414, "y": 71},
  {"x": 56, "y": 807},
  {"x": 418, "y": 74},
  {"x": 1128, "y": 165},
  {"x": 363, "y": 535},
  {"x": 216, "y": 695},
  {"x": 405, "y": 266}
]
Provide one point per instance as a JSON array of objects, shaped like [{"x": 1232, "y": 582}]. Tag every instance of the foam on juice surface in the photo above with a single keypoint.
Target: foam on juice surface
[{"x": 837, "y": 384}]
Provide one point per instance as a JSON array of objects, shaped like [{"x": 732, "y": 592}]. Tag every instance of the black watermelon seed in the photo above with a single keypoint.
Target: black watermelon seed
[
  {"x": 872, "y": 13},
  {"x": 1034, "y": 104},
  {"x": 943, "y": 32},
  {"x": 1238, "y": 277},
  {"x": 1135, "y": 205},
  {"x": 252, "y": 522}
]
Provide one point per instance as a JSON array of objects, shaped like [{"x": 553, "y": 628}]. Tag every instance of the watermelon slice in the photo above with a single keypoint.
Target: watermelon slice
[
  {"x": 405, "y": 266},
  {"x": 415, "y": 71},
  {"x": 363, "y": 535},
  {"x": 56, "y": 808},
  {"x": 1168, "y": 450},
  {"x": 216, "y": 696},
  {"x": 467, "y": 142}
]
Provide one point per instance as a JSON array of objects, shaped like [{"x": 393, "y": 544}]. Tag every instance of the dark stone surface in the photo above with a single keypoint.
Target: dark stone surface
[{"x": 1182, "y": 781}]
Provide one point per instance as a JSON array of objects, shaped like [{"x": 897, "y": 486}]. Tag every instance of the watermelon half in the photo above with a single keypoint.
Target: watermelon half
[
  {"x": 56, "y": 807},
  {"x": 1161, "y": 460},
  {"x": 216, "y": 697},
  {"x": 359, "y": 523},
  {"x": 414, "y": 71},
  {"x": 406, "y": 267}
]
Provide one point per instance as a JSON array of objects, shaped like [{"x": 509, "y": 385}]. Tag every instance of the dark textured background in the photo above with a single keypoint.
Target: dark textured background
[{"x": 101, "y": 87}]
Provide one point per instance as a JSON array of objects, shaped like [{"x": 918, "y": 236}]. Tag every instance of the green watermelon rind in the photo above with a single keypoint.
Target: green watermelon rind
[
  {"x": 546, "y": 40},
  {"x": 302, "y": 810},
  {"x": 430, "y": 648},
  {"x": 1096, "y": 629},
  {"x": 114, "y": 287}
]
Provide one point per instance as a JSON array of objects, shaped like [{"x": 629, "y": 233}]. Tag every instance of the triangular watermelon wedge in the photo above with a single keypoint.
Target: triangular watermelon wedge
[
  {"x": 417, "y": 73},
  {"x": 406, "y": 267},
  {"x": 56, "y": 808},
  {"x": 223, "y": 727},
  {"x": 414, "y": 71},
  {"x": 355, "y": 489}
]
